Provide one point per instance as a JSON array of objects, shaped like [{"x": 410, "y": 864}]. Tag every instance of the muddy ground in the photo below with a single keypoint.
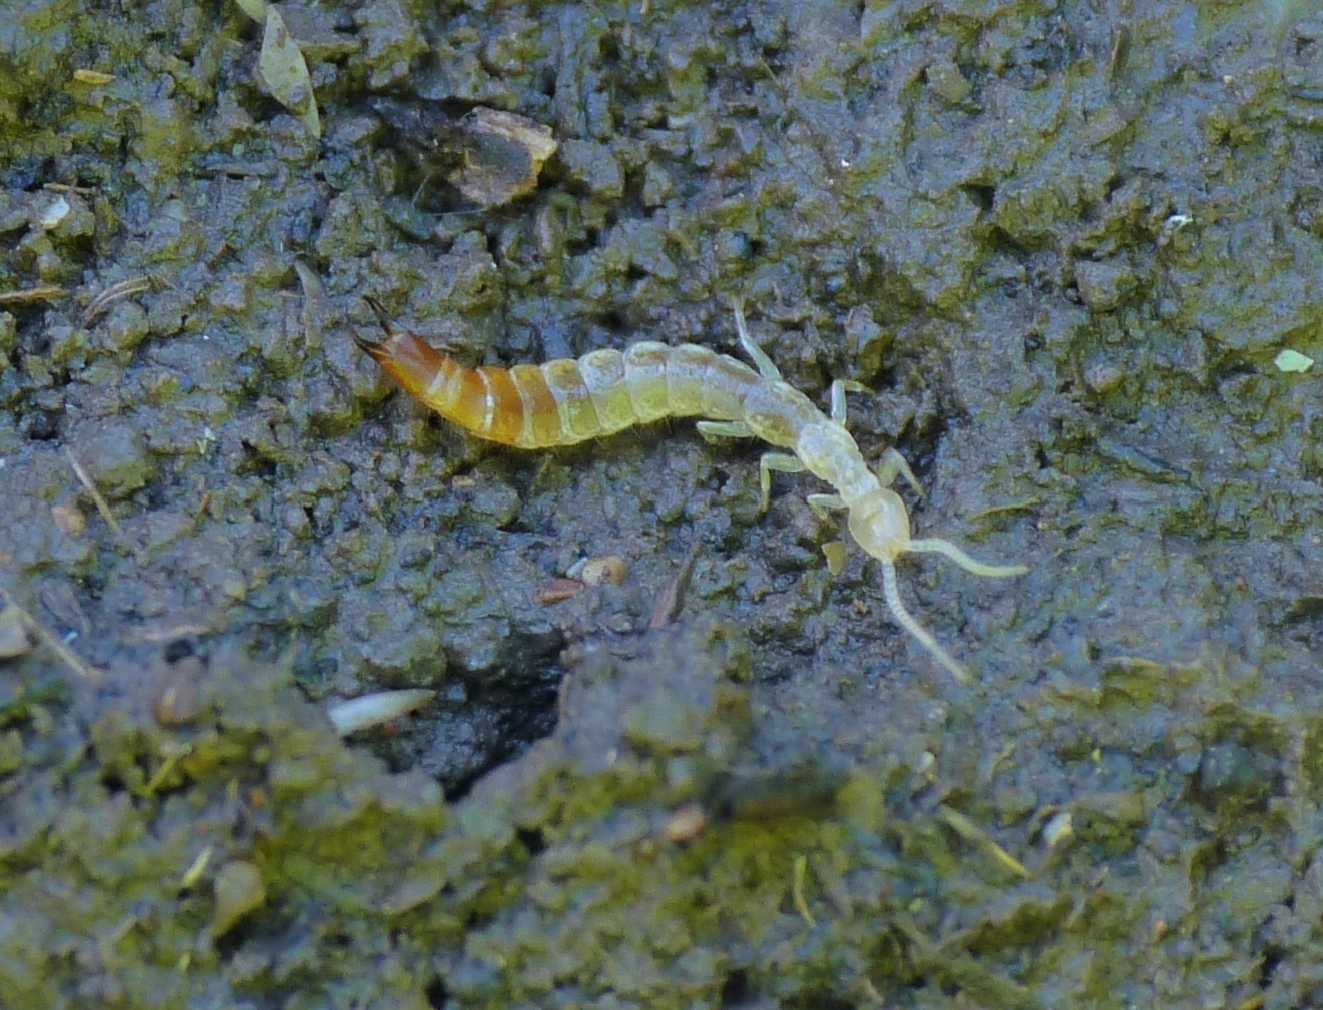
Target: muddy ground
[{"x": 1065, "y": 245}]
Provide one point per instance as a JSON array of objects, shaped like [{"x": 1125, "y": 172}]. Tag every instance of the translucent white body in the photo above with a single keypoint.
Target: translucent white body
[{"x": 565, "y": 401}]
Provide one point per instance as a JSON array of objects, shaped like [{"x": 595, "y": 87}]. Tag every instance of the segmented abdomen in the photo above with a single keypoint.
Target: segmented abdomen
[{"x": 565, "y": 401}]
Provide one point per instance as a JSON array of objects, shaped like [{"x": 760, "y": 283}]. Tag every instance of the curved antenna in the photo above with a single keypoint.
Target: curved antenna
[
  {"x": 952, "y": 552},
  {"x": 903, "y": 618}
]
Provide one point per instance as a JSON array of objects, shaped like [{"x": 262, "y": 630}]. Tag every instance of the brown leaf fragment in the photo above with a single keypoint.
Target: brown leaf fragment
[
  {"x": 557, "y": 591},
  {"x": 503, "y": 155}
]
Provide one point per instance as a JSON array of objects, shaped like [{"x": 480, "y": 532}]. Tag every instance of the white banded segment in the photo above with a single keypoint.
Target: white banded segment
[
  {"x": 488, "y": 401},
  {"x": 578, "y": 419},
  {"x": 607, "y": 391},
  {"x": 566, "y": 401},
  {"x": 604, "y": 375},
  {"x": 687, "y": 371},
  {"x": 645, "y": 380}
]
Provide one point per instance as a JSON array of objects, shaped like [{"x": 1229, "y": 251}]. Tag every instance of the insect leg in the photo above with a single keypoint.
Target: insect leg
[
  {"x": 823, "y": 504},
  {"x": 714, "y": 431},
  {"x": 766, "y": 367},
  {"x": 782, "y": 461},
  {"x": 893, "y": 463},
  {"x": 838, "y": 390}
]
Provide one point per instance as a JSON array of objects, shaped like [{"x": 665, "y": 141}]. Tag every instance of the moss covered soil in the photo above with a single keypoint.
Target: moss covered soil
[{"x": 1062, "y": 242}]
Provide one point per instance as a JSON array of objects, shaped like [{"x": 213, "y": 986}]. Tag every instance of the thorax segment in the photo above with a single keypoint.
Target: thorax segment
[{"x": 827, "y": 449}]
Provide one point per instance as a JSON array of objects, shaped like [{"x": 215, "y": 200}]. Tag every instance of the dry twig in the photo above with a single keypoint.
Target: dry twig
[
  {"x": 53, "y": 643},
  {"x": 42, "y": 293},
  {"x": 103, "y": 301},
  {"x": 102, "y": 506}
]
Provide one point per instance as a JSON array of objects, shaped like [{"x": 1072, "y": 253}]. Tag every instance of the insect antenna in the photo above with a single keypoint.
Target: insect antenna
[{"x": 903, "y": 618}]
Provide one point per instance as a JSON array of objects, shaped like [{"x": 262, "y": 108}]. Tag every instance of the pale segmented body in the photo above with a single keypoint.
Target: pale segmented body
[{"x": 566, "y": 401}]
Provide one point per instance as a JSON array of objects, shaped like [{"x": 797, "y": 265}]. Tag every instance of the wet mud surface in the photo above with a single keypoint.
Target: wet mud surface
[{"x": 1064, "y": 245}]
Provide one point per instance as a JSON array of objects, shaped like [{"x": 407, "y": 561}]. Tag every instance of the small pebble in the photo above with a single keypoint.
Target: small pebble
[
  {"x": 597, "y": 571},
  {"x": 14, "y": 639}
]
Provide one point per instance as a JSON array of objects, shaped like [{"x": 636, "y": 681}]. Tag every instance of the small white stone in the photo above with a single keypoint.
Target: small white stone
[
  {"x": 1059, "y": 829},
  {"x": 56, "y": 212},
  {"x": 1293, "y": 361}
]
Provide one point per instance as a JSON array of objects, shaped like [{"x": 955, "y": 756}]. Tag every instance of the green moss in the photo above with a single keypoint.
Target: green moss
[{"x": 1068, "y": 304}]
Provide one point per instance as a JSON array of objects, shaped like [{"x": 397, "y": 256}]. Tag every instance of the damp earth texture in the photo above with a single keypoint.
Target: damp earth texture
[{"x": 1064, "y": 245}]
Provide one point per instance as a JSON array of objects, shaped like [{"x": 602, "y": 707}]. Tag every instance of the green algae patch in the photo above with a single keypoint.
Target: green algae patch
[
  {"x": 1065, "y": 254},
  {"x": 176, "y": 856}
]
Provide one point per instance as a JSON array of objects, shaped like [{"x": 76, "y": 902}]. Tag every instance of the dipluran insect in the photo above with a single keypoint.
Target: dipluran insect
[{"x": 566, "y": 401}]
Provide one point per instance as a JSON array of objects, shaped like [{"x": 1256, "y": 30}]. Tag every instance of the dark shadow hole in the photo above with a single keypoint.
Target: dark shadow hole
[
  {"x": 532, "y": 840},
  {"x": 180, "y": 648},
  {"x": 735, "y": 990},
  {"x": 436, "y": 994},
  {"x": 983, "y": 196}
]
